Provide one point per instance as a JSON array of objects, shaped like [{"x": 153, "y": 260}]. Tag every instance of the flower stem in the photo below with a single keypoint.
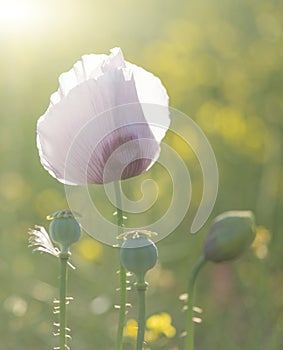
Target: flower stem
[
  {"x": 122, "y": 309},
  {"x": 64, "y": 256},
  {"x": 123, "y": 282},
  {"x": 141, "y": 289},
  {"x": 189, "y": 340}
]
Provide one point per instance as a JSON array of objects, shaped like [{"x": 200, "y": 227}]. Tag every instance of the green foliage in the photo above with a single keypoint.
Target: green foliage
[{"x": 221, "y": 62}]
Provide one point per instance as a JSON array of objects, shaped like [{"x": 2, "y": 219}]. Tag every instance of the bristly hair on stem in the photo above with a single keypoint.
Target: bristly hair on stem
[
  {"x": 64, "y": 230},
  {"x": 189, "y": 339},
  {"x": 123, "y": 277}
]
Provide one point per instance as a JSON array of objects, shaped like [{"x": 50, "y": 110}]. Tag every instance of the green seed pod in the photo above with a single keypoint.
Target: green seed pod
[
  {"x": 64, "y": 229},
  {"x": 229, "y": 236},
  {"x": 138, "y": 253}
]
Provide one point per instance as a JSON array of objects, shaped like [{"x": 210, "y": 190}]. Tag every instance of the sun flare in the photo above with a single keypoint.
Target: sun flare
[{"x": 19, "y": 14}]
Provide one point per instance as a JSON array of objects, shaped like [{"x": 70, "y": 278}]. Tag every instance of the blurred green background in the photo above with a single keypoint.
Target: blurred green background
[{"x": 221, "y": 62}]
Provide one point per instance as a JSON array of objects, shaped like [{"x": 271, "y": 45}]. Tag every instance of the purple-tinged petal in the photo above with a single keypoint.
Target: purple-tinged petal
[{"x": 96, "y": 118}]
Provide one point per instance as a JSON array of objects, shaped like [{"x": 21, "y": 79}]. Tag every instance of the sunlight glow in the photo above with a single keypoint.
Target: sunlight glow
[{"x": 16, "y": 15}]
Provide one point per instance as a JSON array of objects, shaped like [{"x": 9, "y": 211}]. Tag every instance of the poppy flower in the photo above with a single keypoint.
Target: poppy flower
[{"x": 105, "y": 123}]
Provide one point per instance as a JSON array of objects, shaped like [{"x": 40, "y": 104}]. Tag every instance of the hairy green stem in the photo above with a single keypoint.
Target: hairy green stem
[
  {"x": 189, "y": 340},
  {"x": 122, "y": 313},
  {"x": 62, "y": 299},
  {"x": 141, "y": 289},
  {"x": 123, "y": 282}
]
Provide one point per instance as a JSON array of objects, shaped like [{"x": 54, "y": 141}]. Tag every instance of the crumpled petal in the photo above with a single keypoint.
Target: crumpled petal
[
  {"x": 96, "y": 113},
  {"x": 40, "y": 241}
]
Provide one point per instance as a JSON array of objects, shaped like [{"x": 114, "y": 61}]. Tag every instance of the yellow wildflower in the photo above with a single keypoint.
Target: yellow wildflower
[
  {"x": 161, "y": 324},
  {"x": 131, "y": 328},
  {"x": 156, "y": 326}
]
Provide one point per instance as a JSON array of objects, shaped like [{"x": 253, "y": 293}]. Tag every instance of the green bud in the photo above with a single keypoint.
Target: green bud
[
  {"x": 64, "y": 229},
  {"x": 138, "y": 253},
  {"x": 230, "y": 234}
]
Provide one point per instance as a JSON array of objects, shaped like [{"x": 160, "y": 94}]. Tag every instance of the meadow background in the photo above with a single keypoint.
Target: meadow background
[{"x": 221, "y": 62}]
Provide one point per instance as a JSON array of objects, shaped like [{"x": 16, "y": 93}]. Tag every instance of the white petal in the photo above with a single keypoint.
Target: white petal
[
  {"x": 115, "y": 60},
  {"x": 151, "y": 92},
  {"x": 89, "y": 67},
  {"x": 79, "y": 128},
  {"x": 84, "y": 127}
]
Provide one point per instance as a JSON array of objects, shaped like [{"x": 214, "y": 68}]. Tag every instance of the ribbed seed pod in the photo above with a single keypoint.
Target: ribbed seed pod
[
  {"x": 64, "y": 229},
  {"x": 138, "y": 253}
]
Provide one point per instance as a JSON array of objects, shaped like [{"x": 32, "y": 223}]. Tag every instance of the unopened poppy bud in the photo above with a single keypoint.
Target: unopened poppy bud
[
  {"x": 64, "y": 229},
  {"x": 138, "y": 253},
  {"x": 229, "y": 236}
]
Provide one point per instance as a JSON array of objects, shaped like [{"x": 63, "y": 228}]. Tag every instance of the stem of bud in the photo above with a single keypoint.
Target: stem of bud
[{"x": 189, "y": 340}]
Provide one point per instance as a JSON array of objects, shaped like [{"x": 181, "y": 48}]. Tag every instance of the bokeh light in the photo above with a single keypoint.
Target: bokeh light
[{"x": 222, "y": 63}]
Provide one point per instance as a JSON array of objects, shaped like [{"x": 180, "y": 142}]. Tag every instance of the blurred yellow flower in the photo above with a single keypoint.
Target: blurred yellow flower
[
  {"x": 14, "y": 188},
  {"x": 161, "y": 324},
  {"x": 89, "y": 249},
  {"x": 131, "y": 328},
  {"x": 260, "y": 244},
  {"x": 157, "y": 325},
  {"x": 45, "y": 199}
]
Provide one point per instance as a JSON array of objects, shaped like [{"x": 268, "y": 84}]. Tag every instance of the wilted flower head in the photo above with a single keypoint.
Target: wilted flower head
[
  {"x": 99, "y": 127},
  {"x": 64, "y": 231},
  {"x": 40, "y": 241}
]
